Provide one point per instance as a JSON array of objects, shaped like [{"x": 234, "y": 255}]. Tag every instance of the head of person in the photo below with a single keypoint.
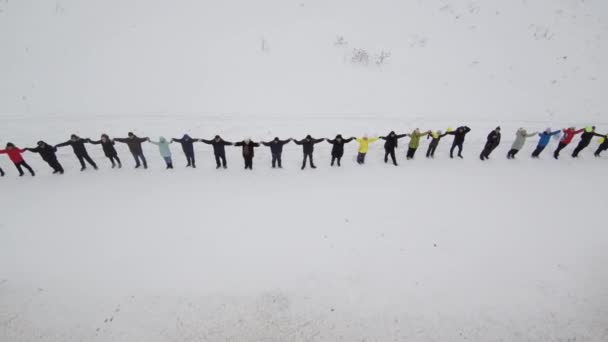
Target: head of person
[
  {"x": 10, "y": 146},
  {"x": 74, "y": 137},
  {"x": 439, "y": 132},
  {"x": 417, "y": 130},
  {"x": 497, "y": 129},
  {"x": 105, "y": 137},
  {"x": 365, "y": 137},
  {"x": 217, "y": 138},
  {"x": 131, "y": 135},
  {"x": 41, "y": 143},
  {"x": 247, "y": 140},
  {"x": 392, "y": 133},
  {"x": 186, "y": 137},
  {"x": 276, "y": 139},
  {"x": 162, "y": 139},
  {"x": 548, "y": 130},
  {"x": 308, "y": 137},
  {"x": 339, "y": 137},
  {"x": 460, "y": 129}
]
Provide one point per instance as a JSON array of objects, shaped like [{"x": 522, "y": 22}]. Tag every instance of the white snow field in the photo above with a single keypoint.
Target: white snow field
[{"x": 431, "y": 250}]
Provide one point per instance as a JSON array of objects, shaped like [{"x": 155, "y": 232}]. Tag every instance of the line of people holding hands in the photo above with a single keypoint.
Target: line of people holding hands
[{"x": 134, "y": 143}]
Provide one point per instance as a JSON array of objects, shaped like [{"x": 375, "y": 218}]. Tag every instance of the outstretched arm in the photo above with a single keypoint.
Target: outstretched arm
[
  {"x": 349, "y": 140},
  {"x": 330, "y": 141},
  {"x": 94, "y": 142},
  {"x": 283, "y": 142},
  {"x": 531, "y": 134},
  {"x": 316, "y": 141},
  {"x": 298, "y": 142},
  {"x": 121, "y": 140},
  {"x": 177, "y": 140},
  {"x": 255, "y": 144},
  {"x": 64, "y": 144},
  {"x": 210, "y": 142},
  {"x": 227, "y": 143},
  {"x": 240, "y": 143},
  {"x": 33, "y": 150}
]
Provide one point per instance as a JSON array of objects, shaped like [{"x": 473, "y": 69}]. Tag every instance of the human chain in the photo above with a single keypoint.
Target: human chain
[{"x": 47, "y": 152}]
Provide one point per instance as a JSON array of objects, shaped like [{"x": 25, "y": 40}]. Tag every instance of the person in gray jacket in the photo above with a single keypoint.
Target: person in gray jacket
[{"x": 520, "y": 139}]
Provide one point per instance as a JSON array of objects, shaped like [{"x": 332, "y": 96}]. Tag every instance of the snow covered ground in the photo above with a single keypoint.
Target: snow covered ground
[{"x": 432, "y": 250}]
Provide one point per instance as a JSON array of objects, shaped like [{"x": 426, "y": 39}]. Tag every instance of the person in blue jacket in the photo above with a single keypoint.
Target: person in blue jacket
[
  {"x": 545, "y": 137},
  {"x": 188, "y": 147},
  {"x": 165, "y": 151}
]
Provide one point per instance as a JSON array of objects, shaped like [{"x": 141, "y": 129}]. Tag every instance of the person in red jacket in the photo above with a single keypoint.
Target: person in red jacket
[
  {"x": 14, "y": 154},
  {"x": 569, "y": 134}
]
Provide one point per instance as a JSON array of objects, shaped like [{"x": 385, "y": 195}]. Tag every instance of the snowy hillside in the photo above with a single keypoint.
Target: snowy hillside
[{"x": 432, "y": 250}]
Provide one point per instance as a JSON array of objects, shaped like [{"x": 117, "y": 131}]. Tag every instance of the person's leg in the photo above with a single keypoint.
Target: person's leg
[
  {"x": 428, "y": 151},
  {"x": 598, "y": 151},
  {"x": 393, "y": 157},
  {"x": 414, "y": 152},
  {"x": 217, "y": 161},
  {"x": 18, "y": 166},
  {"x": 333, "y": 159},
  {"x": 274, "y": 160},
  {"x": 433, "y": 151},
  {"x": 188, "y": 162},
  {"x": 81, "y": 160},
  {"x": 339, "y": 160},
  {"x": 224, "y": 164},
  {"x": 143, "y": 160},
  {"x": 89, "y": 160},
  {"x": 304, "y": 161},
  {"x": 359, "y": 158},
  {"x": 25, "y": 164},
  {"x": 386, "y": 153},
  {"x": 514, "y": 153},
  {"x": 135, "y": 156},
  {"x": 279, "y": 160},
  {"x": 246, "y": 162},
  {"x": 460, "y": 150},
  {"x": 193, "y": 160},
  {"x": 410, "y": 153},
  {"x": 1, "y": 172},
  {"x": 312, "y": 163},
  {"x": 118, "y": 161},
  {"x": 559, "y": 148},
  {"x": 452, "y": 149},
  {"x": 363, "y": 158},
  {"x": 537, "y": 151},
  {"x": 112, "y": 161}
]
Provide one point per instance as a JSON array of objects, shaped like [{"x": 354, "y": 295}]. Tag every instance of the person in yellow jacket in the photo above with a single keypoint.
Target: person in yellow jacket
[
  {"x": 364, "y": 147},
  {"x": 415, "y": 142}
]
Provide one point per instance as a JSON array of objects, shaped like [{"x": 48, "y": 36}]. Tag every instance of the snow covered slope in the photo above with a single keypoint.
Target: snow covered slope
[
  {"x": 432, "y": 250},
  {"x": 522, "y": 58}
]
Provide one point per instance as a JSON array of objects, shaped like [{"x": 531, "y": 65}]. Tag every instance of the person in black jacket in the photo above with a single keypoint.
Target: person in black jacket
[
  {"x": 47, "y": 152},
  {"x": 80, "y": 151},
  {"x": 436, "y": 137},
  {"x": 459, "y": 135},
  {"x": 491, "y": 143},
  {"x": 188, "y": 146},
  {"x": 248, "y": 152},
  {"x": 276, "y": 149},
  {"x": 1, "y": 172},
  {"x": 585, "y": 140},
  {"x": 308, "y": 147},
  {"x": 219, "y": 150},
  {"x": 337, "y": 151},
  {"x": 603, "y": 146},
  {"x": 134, "y": 142},
  {"x": 390, "y": 144},
  {"x": 108, "y": 149}
]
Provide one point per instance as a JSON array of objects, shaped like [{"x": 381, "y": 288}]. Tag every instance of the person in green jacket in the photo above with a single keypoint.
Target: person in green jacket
[
  {"x": 415, "y": 142},
  {"x": 165, "y": 151}
]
